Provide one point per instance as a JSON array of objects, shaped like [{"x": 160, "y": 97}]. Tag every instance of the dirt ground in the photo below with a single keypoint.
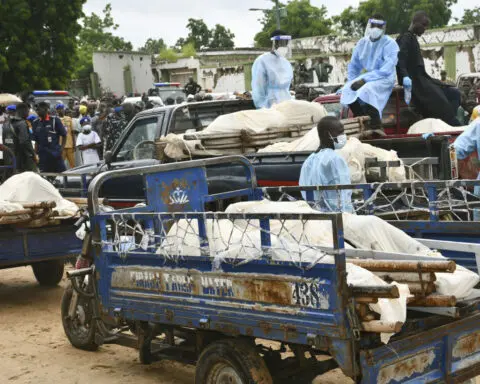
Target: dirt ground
[{"x": 35, "y": 350}]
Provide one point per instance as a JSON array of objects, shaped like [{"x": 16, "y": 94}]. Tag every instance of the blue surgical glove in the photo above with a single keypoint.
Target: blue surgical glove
[
  {"x": 427, "y": 135},
  {"x": 407, "y": 82},
  {"x": 339, "y": 92}
]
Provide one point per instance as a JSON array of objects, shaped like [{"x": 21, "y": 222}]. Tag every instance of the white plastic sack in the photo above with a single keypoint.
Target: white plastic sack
[
  {"x": 7, "y": 206},
  {"x": 253, "y": 121},
  {"x": 355, "y": 152},
  {"x": 29, "y": 187},
  {"x": 177, "y": 148},
  {"x": 242, "y": 241},
  {"x": 300, "y": 112},
  {"x": 307, "y": 143},
  {"x": 432, "y": 126},
  {"x": 282, "y": 115}
]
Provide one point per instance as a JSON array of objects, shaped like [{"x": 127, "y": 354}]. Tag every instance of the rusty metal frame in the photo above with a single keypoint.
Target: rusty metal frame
[{"x": 94, "y": 187}]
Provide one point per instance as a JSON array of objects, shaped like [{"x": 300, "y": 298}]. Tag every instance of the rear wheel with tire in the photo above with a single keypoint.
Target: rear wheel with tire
[
  {"x": 231, "y": 361},
  {"x": 78, "y": 322},
  {"x": 48, "y": 273}
]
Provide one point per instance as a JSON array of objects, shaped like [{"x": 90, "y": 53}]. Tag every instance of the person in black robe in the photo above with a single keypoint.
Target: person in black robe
[{"x": 431, "y": 97}]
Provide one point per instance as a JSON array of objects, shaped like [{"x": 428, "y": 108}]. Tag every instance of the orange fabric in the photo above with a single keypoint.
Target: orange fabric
[
  {"x": 68, "y": 124},
  {"x": 69, "y": 155}
]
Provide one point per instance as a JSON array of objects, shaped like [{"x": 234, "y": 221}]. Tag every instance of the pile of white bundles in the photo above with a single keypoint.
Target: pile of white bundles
[
  {"x": 355, "y": 152},
  {"x": 433, "y": 126},
  {"x": 29, "y": 187},
  {"x": 241, "y": 240},
  {"x": 280, "y": 116}
]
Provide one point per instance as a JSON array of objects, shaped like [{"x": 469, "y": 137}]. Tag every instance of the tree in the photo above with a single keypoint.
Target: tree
[
  {"x": 37, "y": 43},
  {"x": 96, "y": 36},
  {"x": 179, "y": 44},
  {"x": 302, "y": 20},
  {"x": 471, "y": 16},
  {"x": 201, "y": 37},
  {"x": 152, "y": 46},
  {"x": 221, "y": 38},
  {"x": 168, "y": 54},
  {"x": 199, "y": 33},
  {"x": 188, "y": 50},
  {"x": 398, "y": 14}
]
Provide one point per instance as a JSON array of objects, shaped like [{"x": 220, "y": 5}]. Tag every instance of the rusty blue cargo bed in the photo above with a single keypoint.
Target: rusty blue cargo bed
[
  {"x": 25, "y": 246},
  {"x": 142, "y": 284}
]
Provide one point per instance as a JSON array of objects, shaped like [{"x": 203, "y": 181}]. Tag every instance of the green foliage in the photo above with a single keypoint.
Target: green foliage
[
  {"x": 180, "y": 43},
  {"x": 153, "y": 47},
  {"x": 96, "y": 36},
  {"x": 199, "y": 34},
  {"x": 168, "y": 54},
  {"x": 398, "y": 14},
  {"x": 37, "y": 43},
  {"x": 200, "y": 37},
  {"x": 471, "y": 16},
  {"x": 188, "y": 50},
  {"x": 302, "y": 20},
  {"x": 221, "y": 38}
]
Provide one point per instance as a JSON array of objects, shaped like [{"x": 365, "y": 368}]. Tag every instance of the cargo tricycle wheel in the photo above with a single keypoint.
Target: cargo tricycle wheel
[
  {"x": 78, "y": 322},
  {"x": 231, "y": 361},
  {"x": 48, "y": 273}
]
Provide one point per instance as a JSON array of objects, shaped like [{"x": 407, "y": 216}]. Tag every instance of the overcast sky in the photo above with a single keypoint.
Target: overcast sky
[{"x": 141, "y": 19}]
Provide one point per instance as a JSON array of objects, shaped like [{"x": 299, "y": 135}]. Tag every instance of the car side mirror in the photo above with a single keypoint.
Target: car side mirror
[{"x": 108, "y": 157}]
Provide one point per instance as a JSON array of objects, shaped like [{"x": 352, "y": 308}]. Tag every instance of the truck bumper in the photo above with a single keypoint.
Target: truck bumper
[{"x": 446, "y": 354}]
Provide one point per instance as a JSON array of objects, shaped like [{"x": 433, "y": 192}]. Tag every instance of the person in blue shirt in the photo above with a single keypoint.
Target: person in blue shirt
[
  {"x": 371, "y": 73},
  {"x": 466, "y": 144},
  {"x": 272, "y": 73},
  {"x": 49, "y": 135},
  {"x": 326, "y": 167}
]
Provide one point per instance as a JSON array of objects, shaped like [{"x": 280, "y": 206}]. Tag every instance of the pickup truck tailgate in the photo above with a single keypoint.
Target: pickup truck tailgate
[{"x": 449, "y": 353}]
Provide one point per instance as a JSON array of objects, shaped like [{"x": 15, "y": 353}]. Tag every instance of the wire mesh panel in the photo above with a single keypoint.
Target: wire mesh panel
[
  {"x": 449, "y": 200},
  {"x": 226, "y": 238}
]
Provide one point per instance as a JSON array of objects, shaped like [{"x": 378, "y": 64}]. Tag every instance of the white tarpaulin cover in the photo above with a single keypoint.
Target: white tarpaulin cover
[
  {"x": 253, "y": 121},
  {"x": 29, "y": 187},
  {"x": 355, "y": 152},
  {"x": 285, "y": 114},
  {"x": 280, "y": 116},
  {"x": 7, "y": 206},
  {"x": 241, "y": 240},
  {"x": 433, "y": 126}
]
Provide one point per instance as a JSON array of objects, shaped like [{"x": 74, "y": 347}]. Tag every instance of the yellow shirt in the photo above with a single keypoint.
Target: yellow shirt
[
  {"x": 68, "y": 124},
  {"x": 476, "y": 113}
]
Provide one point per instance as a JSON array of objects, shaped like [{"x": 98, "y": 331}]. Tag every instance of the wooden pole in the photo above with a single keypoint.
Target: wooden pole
[{"x": 405, "y": 266}]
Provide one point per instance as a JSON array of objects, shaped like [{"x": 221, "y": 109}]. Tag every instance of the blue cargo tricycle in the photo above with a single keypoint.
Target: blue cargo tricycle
[{"x": 242, "y": 316}]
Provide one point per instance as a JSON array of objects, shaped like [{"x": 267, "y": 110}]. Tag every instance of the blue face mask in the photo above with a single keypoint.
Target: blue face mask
[
  {"x": 340, "y": 141},
  {"x": 375, "y": 34}
]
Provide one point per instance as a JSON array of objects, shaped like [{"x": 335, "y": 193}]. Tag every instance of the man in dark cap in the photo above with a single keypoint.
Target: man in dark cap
[
  {"x": 49, "y": 136},
  {"x": 192, "y": 88},
  {"x": 16, "y": 136}
]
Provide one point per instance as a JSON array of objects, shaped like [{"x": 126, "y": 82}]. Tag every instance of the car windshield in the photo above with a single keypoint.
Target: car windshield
[{"x": 139, "y": 144}]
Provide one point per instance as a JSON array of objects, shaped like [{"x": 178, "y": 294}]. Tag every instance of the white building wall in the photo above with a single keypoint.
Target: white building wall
[
  {"x": 218, "y": 81},
  {"x": 110, "y": 68}
]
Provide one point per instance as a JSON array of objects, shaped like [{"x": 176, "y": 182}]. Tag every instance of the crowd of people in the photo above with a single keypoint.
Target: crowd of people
[{"x": 48, "y": 138}]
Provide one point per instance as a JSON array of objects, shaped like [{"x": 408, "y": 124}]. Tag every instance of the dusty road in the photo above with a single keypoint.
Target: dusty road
[{"x": 33, "y": 348}]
